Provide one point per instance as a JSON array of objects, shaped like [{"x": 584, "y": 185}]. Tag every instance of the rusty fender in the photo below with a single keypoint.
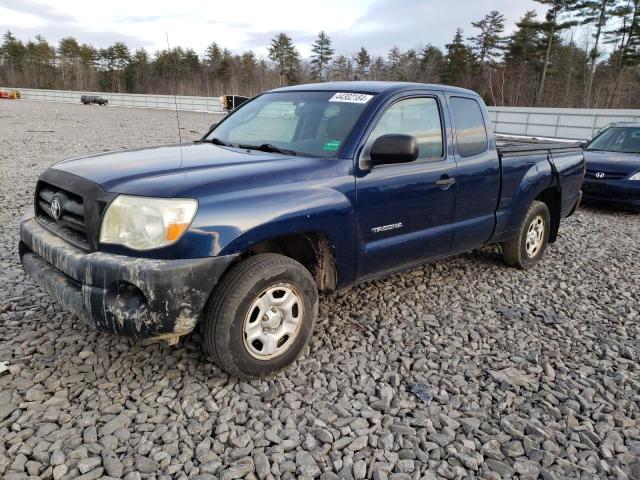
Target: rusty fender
[{"x": 136, "y": 297}]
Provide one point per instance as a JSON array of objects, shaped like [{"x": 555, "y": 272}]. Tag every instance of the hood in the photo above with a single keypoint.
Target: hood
[
  {"x": 168, "y": 171},
  {"x": 614, "y": 162}
]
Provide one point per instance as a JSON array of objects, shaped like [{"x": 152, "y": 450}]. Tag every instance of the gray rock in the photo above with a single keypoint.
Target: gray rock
[
  {"x": 57, "y": 458},
  {"x": 322, "y": 435},
  {"x": 59, "y": 471},
  {"x": 112, "y": 465},
  {"x": 90, "y": 435},
  {"x": 359, "y": 469},
  {"x": 115, "y": 423},
  {"x": 501, "y": 468},
  {"x": 405, "y": 466},
  {"x": 238, "y": 470},
  {"x": 526, "y": 469},
  {"x": 513, "y": 449},
  {"x": 358, "y": 444},
  {"x": 92, "y": 475},
  {"x": 87, "y": 464},
  {"x": 146, "y": 464},
  {"x": 262, "y": 465}
]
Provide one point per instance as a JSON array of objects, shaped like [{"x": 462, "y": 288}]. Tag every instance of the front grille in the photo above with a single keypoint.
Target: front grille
[
  {"x": 62, "y": 212},
  {"x": 596, "y": 175},
  {"x": 81, "y": 204}
]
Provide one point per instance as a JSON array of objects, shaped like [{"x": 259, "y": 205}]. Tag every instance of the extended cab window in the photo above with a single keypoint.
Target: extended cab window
[
  {"x": 307, "y": 123},
  {"x": 419, "y": 117},
  {"x": 471, "y": 132}
]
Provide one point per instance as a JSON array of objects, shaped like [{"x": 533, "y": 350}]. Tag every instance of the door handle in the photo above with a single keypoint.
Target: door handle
[{"x": 446, "y": 181}]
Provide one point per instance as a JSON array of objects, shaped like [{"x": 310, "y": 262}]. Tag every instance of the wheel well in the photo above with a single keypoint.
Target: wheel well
[
  {"x": 552, "y": 198},
  {"x": 312, "y": 250}
]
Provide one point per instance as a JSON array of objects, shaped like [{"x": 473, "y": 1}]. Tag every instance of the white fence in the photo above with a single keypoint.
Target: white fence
[
  {"x": 569, "y": 123},
  {"x": 196, "y": 104}
]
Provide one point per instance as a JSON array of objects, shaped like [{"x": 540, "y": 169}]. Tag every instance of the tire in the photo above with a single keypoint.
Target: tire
[
  {"x": 527, "y": 248},
  {"x": 241, "y": 303}
]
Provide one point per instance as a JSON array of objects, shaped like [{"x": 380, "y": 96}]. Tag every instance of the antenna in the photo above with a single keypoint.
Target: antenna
[{"x": 175, "y": 96}]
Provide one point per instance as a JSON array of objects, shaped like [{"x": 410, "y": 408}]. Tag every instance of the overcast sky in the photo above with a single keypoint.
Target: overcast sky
[{"x": 250, "y": 24}]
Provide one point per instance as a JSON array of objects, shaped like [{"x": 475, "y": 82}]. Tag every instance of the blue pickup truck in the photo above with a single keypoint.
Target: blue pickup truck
[{"x": 301, "y": 190}]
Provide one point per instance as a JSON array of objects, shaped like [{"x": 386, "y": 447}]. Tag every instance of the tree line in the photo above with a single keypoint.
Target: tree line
[{"x": 582, "y": 53}]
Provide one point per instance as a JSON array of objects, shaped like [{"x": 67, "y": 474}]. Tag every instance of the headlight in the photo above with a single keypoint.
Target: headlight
[
  {"x": 144, "y": 223},
  {"x": 635, "y": 176}
]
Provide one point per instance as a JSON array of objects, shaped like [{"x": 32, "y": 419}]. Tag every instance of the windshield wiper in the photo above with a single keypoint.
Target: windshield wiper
[
  {"x": 217, "y": 141},
  {"x": 267, "y": 147}
]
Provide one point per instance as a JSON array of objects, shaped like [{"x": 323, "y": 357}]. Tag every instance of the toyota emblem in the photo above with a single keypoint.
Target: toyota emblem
[
  {"x": 599, "y": 174},
  {"x": 56, "y": 209}
]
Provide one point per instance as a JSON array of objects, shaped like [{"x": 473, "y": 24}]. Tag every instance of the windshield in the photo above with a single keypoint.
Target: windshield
[
  {"x": 617, "y": 139},
  {"x": 314, "y": 124}
]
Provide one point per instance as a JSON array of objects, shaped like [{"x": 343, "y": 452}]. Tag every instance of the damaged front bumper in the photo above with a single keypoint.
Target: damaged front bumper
[{"x": 136, "y": 297}]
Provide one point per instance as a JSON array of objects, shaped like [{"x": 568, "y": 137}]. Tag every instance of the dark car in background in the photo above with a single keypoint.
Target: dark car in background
[
  {"x": 90, "y": 99},
  {"x": 613, "y": 166}
]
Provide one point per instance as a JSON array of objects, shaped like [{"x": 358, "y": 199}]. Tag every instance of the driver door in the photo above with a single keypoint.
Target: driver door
[{"x": 404, "y": 211}]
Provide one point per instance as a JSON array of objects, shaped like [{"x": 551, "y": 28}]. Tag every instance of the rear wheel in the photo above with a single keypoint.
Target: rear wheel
[
  {"x": 260, "y": 316},
  {"x": 530, "y": 244}
]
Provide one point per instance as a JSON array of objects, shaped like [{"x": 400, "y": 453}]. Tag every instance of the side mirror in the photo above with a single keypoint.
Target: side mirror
[
  {"x": 583, "y": 144},
  {"x": 394, "y": 148}
]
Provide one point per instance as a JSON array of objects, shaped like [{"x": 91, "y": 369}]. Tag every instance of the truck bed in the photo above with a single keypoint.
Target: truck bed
[{"x": 522, "y": 146}]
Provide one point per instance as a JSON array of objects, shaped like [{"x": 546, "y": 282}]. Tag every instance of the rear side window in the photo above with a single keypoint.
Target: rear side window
[{"x": 471, "y": 132}]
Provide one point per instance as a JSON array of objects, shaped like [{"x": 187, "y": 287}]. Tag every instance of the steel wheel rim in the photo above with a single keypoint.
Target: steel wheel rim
[
  {"x": 273, "y": 321},
  {"x": 535, "y": 236}
]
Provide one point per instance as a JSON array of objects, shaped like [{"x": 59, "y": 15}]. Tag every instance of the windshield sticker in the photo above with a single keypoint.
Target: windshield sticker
[
  {"x": 351, "y": 97},
  {"x": 332, "y": 145}
]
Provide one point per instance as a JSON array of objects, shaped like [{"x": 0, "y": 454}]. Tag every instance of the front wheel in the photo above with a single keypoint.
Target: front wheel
[
  {"x": 260, "y": 316},
  {"x": 528, "y": 246}
]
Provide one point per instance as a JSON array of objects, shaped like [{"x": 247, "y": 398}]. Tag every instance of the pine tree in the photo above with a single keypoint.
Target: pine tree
[
  {"x": 223, "y": 69},
  {"x": 341, "y": 69},
  {"x": 363, "y": 64},
  {"x": 458, "y": 61},
  {"x": 626, "y": 41},
  {"x": 139, "y": 70},
  {"x": 287, "y": 59},
  {"x": 409, "y": 66},
  {"x": 596, "y": 13},
  {"x": 626, "y": 38},
  {"x": 212, "y": 55},
  {"x": 40, "y": 60},
  {"x": 489, "y": 43},
  {"x": 549, "y": 28},
  {"x": 431, "y": 63},
  {"x": 394, "y": 63},
  {"x": 378, "y": 69},
  {"x": 68, "y": 51},
  {"x": 523, "y": 45},
  {"x": 248, "y": 67},
  {"x": 321, "y": 56},
  {"x": 523, "y": 60}
]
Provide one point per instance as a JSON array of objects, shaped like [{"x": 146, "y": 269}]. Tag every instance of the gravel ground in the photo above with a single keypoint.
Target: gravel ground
[{"x": 533, "y": 374}]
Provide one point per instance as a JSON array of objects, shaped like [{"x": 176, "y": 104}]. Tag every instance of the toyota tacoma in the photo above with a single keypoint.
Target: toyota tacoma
[{"x": 300, "y": 190}]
